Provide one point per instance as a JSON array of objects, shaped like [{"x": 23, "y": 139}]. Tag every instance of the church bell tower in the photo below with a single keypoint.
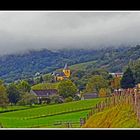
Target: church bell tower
[{"x": 66, "y": 71}]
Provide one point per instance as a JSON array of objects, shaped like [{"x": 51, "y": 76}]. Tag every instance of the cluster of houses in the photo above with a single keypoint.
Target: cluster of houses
[
  {"x": 47, "y": 93},
  {"x": 58, "y": 76}
]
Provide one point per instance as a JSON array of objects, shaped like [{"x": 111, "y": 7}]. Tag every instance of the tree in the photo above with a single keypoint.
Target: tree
[
  {"x": 28, "y": 99},
  {"x": 13, "y": 93},
  {"x": 68, "y": 99},
  {"x": 128, "y": 80},
  {"x": 57, "y": 99},
  {"x": 3, "y": 95},
  {"x": 41, "y": 79},
  {"x": 30, "y": 81},
  {"x": 116, "y": 83},
  {"x": 135, "y": 67},
  {"x": 24, "y": 86},
  {"x": 48, "y": 78},
  {"x": 67, "y": 88},
  {"x": 48, "y": 100},
  {"x": 95, "y": 83},
  {"x": 103, "y": 92}
]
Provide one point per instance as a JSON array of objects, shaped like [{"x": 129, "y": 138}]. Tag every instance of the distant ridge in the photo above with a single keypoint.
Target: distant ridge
[{"x": 15, "y": 66}]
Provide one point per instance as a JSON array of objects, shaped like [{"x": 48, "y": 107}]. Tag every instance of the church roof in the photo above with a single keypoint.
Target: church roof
[
  {"x": 59, "y": 74},
  {"x": 66, "y": 67}
]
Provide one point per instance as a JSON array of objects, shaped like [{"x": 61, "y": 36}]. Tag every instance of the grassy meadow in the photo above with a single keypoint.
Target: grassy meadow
[{"x": 48, "y": 116}]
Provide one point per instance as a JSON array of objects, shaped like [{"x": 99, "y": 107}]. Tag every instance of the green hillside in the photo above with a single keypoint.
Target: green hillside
[
  {"x": 82, "y": 66},
  {"x": 47, "y": 116},
  {"x": 120, "y": 116}
]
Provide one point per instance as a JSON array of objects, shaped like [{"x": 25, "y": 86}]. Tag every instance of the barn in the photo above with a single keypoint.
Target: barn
[
  {"x": 43, "y": 95},
  {"x": 89, "y": 96}
]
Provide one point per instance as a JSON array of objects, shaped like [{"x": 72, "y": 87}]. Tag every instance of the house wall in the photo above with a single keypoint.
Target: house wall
[{"x": 59, "y": 78}]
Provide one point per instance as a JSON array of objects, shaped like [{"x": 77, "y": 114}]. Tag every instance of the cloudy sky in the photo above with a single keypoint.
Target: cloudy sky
[{"x": 22, "y": 31}]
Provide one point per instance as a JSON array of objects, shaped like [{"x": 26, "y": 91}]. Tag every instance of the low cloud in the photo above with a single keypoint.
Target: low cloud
[{"x": 22, "y": 31}]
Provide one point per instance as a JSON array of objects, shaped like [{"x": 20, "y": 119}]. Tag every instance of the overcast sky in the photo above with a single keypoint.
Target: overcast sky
[{"x": 21, "y": 31}]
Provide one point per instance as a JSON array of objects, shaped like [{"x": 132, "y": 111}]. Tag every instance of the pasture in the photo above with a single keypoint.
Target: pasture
[{"x": 48, "y": 116}]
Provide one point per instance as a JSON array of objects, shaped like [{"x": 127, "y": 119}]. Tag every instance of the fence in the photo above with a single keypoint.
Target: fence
[{"x": 128, "y": 97}]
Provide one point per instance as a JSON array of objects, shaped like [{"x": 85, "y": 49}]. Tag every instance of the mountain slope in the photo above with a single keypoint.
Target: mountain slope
[
  {"x": 13, "y": 67},
  {"x": 17, "y": 66}
]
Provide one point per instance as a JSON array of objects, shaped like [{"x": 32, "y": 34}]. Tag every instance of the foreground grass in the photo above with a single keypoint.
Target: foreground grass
[
  {"x": 45, "y": 122},
  {"x": 47, "y": 116},
  {"x": 121, "y": 116}
]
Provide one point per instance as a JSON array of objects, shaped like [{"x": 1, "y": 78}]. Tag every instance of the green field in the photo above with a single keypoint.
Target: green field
[
  {"x": 49, "y": 115},
  {"x": 13, "y": 108}
]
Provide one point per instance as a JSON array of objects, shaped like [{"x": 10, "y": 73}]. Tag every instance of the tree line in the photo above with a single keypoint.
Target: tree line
[
  {"x": 81, "y": 82},
  {"x": 15, "y": 93}
]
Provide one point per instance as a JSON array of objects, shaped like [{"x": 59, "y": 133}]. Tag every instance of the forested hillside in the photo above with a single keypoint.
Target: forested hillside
[{"x": 20, "y": 66}]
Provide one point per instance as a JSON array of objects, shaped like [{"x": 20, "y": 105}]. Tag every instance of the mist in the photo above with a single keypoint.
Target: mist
[{"x": 23, "y": 31}]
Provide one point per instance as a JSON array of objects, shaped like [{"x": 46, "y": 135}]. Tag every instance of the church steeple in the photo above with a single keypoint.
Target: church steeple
[
  {"x": 66, "y": 67},
  {"x": 66, "y": 70}
]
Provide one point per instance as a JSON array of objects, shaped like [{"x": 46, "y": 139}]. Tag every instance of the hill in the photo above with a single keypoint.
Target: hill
[
  {"x": 120, "y": 116},
  {"x": 21, "y": 66}
]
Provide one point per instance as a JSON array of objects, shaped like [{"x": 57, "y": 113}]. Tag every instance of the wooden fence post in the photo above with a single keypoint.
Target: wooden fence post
[
  {"x": 82, "y": 121},
  {"x": 135, "y": 98},
  {"x": 87, "y": 116}
]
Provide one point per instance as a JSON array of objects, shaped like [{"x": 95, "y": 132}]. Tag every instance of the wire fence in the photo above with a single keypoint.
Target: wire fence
[{"x": 128, "y": 97}]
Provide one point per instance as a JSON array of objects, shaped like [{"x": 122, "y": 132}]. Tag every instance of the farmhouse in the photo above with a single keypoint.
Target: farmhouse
[
  {"x": 44, "y": 94},
  {"x": 89, "y": 96}
]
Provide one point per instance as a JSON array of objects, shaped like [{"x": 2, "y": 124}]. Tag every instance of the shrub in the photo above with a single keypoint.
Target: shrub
[
  {"x": 76, "y": 98},
  {"x": 28, "y": 99},
  {"x": 57, "y": 99},
  {"x": 69, "y": 99}
]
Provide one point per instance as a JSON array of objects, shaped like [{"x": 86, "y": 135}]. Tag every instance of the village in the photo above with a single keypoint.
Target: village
[{"x": 65, "y": 74}]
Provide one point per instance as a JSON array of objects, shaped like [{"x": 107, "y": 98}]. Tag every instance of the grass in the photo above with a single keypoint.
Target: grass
[
  {"x": 121, "y": 116},
  {"x": 15, "y": 108},
  {"x": 81, "y": 66},
  {"x": 43, "y": 86},
  {"x": 46, "y": 122},
  {"x": 46, "y": 116}
]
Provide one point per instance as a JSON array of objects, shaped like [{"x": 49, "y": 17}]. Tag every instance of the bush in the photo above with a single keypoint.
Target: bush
[
  {"x": 76, "y": 98},
  {"x": 69, "y": 99},
  {"x": 28, "y": 99},
  {"x": 57, "y": 99},
  {"x": 48, "y": 100}
]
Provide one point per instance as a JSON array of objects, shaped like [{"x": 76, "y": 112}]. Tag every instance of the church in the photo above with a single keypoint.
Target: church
[{"x": 58, "y": 76}]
